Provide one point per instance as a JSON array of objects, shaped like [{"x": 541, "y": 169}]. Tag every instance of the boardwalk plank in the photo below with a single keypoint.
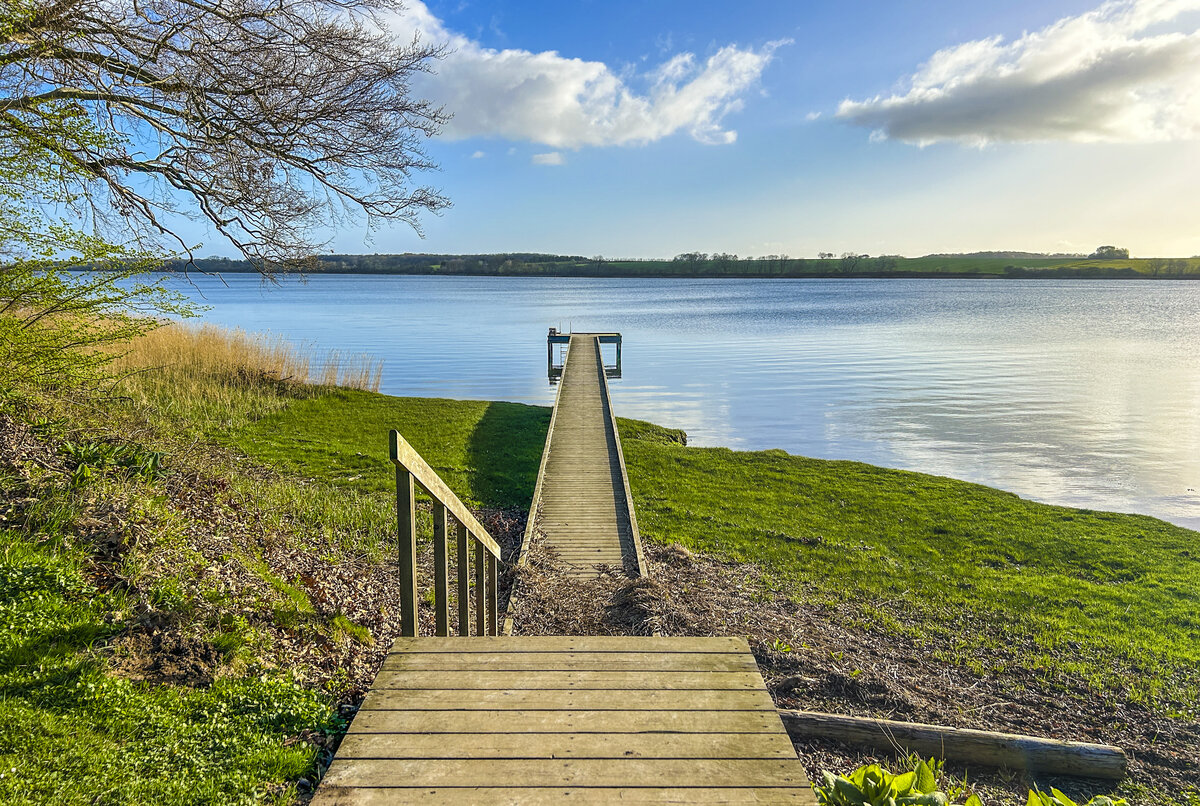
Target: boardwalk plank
[
  {"x": 581, "y": 721},
  {"x": 568, "y": 745},
  {"x": 631, "y": 680},
  {"x": 568, "y": 700},
  {"x": 568, "y": 661},
  {"x": 497, "y": 796},
  {"x": 571, "y": 643},
  {"x": 583, "y": 772},
  {"x": 583, "y": 514}
]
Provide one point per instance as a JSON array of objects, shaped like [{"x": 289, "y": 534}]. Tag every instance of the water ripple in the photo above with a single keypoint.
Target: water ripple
[{"x": 1073, "y": 392}]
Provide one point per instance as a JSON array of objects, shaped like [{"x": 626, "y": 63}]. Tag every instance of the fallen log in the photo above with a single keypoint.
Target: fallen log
[{"x": 1048, "y": 756}]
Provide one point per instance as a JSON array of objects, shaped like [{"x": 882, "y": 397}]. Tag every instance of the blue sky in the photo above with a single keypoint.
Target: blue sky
[{"x": 645, "y": 129}]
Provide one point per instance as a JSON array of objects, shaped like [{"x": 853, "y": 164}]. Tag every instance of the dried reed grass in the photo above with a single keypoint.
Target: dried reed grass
[{"x": 209, "y": 351}]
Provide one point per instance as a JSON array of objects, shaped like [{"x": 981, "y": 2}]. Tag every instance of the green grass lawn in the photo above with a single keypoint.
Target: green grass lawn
[
  {"x": 72, "y": 734},
  {"x": 487, "y": 452},
  {"x": 1104, "y": 596}
]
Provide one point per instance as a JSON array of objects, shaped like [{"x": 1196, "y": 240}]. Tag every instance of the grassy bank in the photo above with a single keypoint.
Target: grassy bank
[
  {"x": 1102, "y": 596},
  {"x": 177, "y": 626},
  {"x": 194, "y": 574},
  {"x": 1088, "y": 617},
  {"x": 1096, "y": 595}
]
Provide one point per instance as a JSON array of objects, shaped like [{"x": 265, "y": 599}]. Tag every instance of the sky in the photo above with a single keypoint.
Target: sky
[{"x": 646, "y": 128}]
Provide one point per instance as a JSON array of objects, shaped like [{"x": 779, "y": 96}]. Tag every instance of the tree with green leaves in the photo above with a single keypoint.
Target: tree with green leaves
[
  {"x": 58, "y": 326},
  {"x": 1109, "y": 253}
]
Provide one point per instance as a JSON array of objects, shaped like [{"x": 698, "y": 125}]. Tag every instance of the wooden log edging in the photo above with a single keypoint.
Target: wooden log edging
[{"x": 1013, "y": 751}]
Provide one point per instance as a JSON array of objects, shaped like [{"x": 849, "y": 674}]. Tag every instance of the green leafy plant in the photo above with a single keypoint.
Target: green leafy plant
[
  {"x": 871, "y": 785},
  {"x": 1057, "y": 798},
  {"x": 92, "y": 457}
]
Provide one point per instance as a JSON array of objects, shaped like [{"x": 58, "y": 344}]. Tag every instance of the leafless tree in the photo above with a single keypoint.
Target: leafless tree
[{"x": 269, "y": 118}]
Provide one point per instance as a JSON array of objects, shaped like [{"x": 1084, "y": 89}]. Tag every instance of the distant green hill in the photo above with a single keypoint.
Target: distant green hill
[{"x": 697, "y": 264}]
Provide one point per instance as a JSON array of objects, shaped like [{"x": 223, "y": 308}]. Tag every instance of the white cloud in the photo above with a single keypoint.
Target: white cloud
[
  {"x": 1128, "y": 71},
  {"x": 478, "y": 155},
  {"x": 562, "y": 102},
  {"x": 553, "y": 158}
]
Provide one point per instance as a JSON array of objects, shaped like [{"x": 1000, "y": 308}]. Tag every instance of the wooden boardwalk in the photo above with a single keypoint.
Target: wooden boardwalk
[
  {"x": 576, "y": 720},
  {"x": 582, "y": 504}
]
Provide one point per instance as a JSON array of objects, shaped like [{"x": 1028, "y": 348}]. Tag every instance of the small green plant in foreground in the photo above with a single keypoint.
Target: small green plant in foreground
[
  {"x": 872, "y": 785},
  {"x": 135, "y": 461},
  {"x": 1056, "y": 798}
]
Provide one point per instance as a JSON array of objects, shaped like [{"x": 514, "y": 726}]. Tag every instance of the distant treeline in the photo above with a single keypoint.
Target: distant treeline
[{"x": 699, "y": 264}]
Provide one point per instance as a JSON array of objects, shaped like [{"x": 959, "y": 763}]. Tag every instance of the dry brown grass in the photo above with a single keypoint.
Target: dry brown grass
[
  {"x": 216, "y": 376},
  {"x": 211, "y": 351}
]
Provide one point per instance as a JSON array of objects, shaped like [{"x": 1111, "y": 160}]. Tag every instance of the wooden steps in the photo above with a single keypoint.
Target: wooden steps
[{"x": 572, "y": 719}]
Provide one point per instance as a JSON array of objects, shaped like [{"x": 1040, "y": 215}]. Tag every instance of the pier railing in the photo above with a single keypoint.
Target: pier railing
[{"x": 412, "y": 470}]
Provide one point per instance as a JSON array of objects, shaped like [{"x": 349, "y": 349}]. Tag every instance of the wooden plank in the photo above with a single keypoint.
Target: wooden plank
[
  {"x": 573, "y": 643},
  {"x": 761, "y": 773},
  {"x": 1015, "y": 752},
  {"x": 567, "y": 745},
  {"x": 404, "y": 455},
  {"x": 581, "y": 505},
  {"x": 567, "y": 700},
  {"x": 487, "y": 680},
  {"x": 565, "y": 722},
  {"x": 570, "y": 661},
  {"x": 500, "y": 796}
]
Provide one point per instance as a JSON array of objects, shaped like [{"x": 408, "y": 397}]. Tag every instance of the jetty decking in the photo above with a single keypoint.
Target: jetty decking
[
  {"x": 566, "y": 719},
  {"x": 489, "y": 719},
  {"x": 582, "y": 505}
]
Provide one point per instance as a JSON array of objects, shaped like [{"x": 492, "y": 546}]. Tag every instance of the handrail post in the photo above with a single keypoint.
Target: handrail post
[
  {"x": 464, "y": 582},
  {"x": 493, "y": 596},
  {"x": 441, "y": 572},
  {"x": 480, "y": 589},
  {"x": 406, "y": 518}
]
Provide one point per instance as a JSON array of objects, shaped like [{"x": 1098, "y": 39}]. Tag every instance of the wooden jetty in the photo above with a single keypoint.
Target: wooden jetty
[
  {"x": 566, "y": 719},
  {"x": 487, "y": 719},
  {"x": 581, "y": 504}
]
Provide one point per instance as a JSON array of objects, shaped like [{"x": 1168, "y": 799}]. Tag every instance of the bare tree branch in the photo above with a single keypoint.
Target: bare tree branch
[{"x": 269, "y": 118}]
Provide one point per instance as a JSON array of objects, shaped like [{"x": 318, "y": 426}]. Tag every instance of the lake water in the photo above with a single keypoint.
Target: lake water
[{"x": 1072, "y": 392}]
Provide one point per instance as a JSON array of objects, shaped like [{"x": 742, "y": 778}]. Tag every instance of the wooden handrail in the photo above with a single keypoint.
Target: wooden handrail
[{"x": 448, "y": 510}]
